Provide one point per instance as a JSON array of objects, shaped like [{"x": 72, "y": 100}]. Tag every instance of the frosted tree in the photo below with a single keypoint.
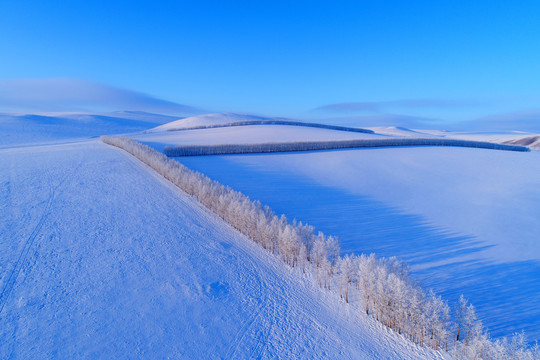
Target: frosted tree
[
  {"x": 326, "y": 272},
  {"x": 346, "y": 273},
  {"x": 285, "y": 244},
  {"x": 319, "y": 249},
  {"x": 366, "y": 270},
  {"x": 306, "y": 233},
  {"x": 470, "y": 323},
  {"x": 437, "y": 313},
  {"x": 263, "y": 233},
  {"x": 333, "y": 250},
  {"x": 462, "y": 309},
  {"x": 303, "y": 258},
  {"x": 274, "y": 226}
]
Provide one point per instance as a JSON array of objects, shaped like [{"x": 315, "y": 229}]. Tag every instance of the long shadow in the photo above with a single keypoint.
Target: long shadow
[
  {"x": 361, "y": 224},
  {"x": 506, "y": 295}
]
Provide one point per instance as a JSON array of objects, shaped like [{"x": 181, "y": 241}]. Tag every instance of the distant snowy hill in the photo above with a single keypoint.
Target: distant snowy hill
[
  {"x": 16, "y": 129},
  {"x": 528, "y": 121},
  {"x": 211, "y": 120},
  {"x": 531, "y": 141},
  {"x": 400, "y": 131}
]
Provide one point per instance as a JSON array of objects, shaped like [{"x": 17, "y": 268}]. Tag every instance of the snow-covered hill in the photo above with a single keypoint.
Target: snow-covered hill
[
  {"x": 18, "y": 129},
  {"x": 400, "y": 131},
  {"x": 211, "y": 120},
  {"x": 531, "y": 141}
]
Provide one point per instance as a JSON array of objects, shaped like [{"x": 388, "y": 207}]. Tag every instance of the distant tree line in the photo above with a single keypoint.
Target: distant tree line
[
  {"x": 275, "y": 122},
  {"x": 379, "y": 287},
  {"x": 198, "y": 150}
]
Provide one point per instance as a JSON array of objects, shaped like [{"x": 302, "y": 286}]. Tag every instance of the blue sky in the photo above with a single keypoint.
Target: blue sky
[{"x": 447, "y": 60}]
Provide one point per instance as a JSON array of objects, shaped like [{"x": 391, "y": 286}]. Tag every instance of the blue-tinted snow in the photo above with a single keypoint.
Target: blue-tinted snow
[{"x": 501, "y": 284}]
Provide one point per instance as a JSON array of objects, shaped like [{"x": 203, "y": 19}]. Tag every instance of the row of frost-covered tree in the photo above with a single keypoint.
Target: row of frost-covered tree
[
  {"x": 195, "y": 150},
  {"x": 379, "y": 287}
]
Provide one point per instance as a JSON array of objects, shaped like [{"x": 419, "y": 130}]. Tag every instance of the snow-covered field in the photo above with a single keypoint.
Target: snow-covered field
[
  {"x": 466, "y": 228},
  {"x": 465, "y": 219},
  {"x": 102, "y": 258}
]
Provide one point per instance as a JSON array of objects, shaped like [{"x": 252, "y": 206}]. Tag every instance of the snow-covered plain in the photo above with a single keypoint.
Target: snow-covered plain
[
  {"x": 466, "y": 219},
  {"x": 102, "y": 258}
]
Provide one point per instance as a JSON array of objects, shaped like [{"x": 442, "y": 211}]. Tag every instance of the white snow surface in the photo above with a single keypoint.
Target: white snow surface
[{"x": 103, "y": 258}]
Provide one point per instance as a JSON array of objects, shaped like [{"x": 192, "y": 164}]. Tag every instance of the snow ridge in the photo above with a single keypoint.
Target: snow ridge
[{"x": 382, "y": 287}]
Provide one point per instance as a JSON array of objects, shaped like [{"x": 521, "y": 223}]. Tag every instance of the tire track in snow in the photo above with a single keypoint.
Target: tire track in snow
[
  {"x": 262, "y": 341},
  {"x": 19, "y": 264},
  {"x": 292, "y": 319},
  {"x": 271, "y": 317},
  {"x": 14, "y": 274},
  {"x": 263, "y": 311},
  {"x": 241, "y": 334},
  {"x": 256, "y": 287}
]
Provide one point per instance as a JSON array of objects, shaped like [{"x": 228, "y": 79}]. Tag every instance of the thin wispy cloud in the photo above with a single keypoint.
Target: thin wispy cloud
[
  {"x": 65, "y": 94},
  {"x": 526, "y": 120},
  {"x": 379, "y": 106},
  {"x": 385, "y": 120},
  {"x": 350, "y": 107}
]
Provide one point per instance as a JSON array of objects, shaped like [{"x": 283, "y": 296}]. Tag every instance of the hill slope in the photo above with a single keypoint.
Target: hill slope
[{"x": 17, "y": 129}]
